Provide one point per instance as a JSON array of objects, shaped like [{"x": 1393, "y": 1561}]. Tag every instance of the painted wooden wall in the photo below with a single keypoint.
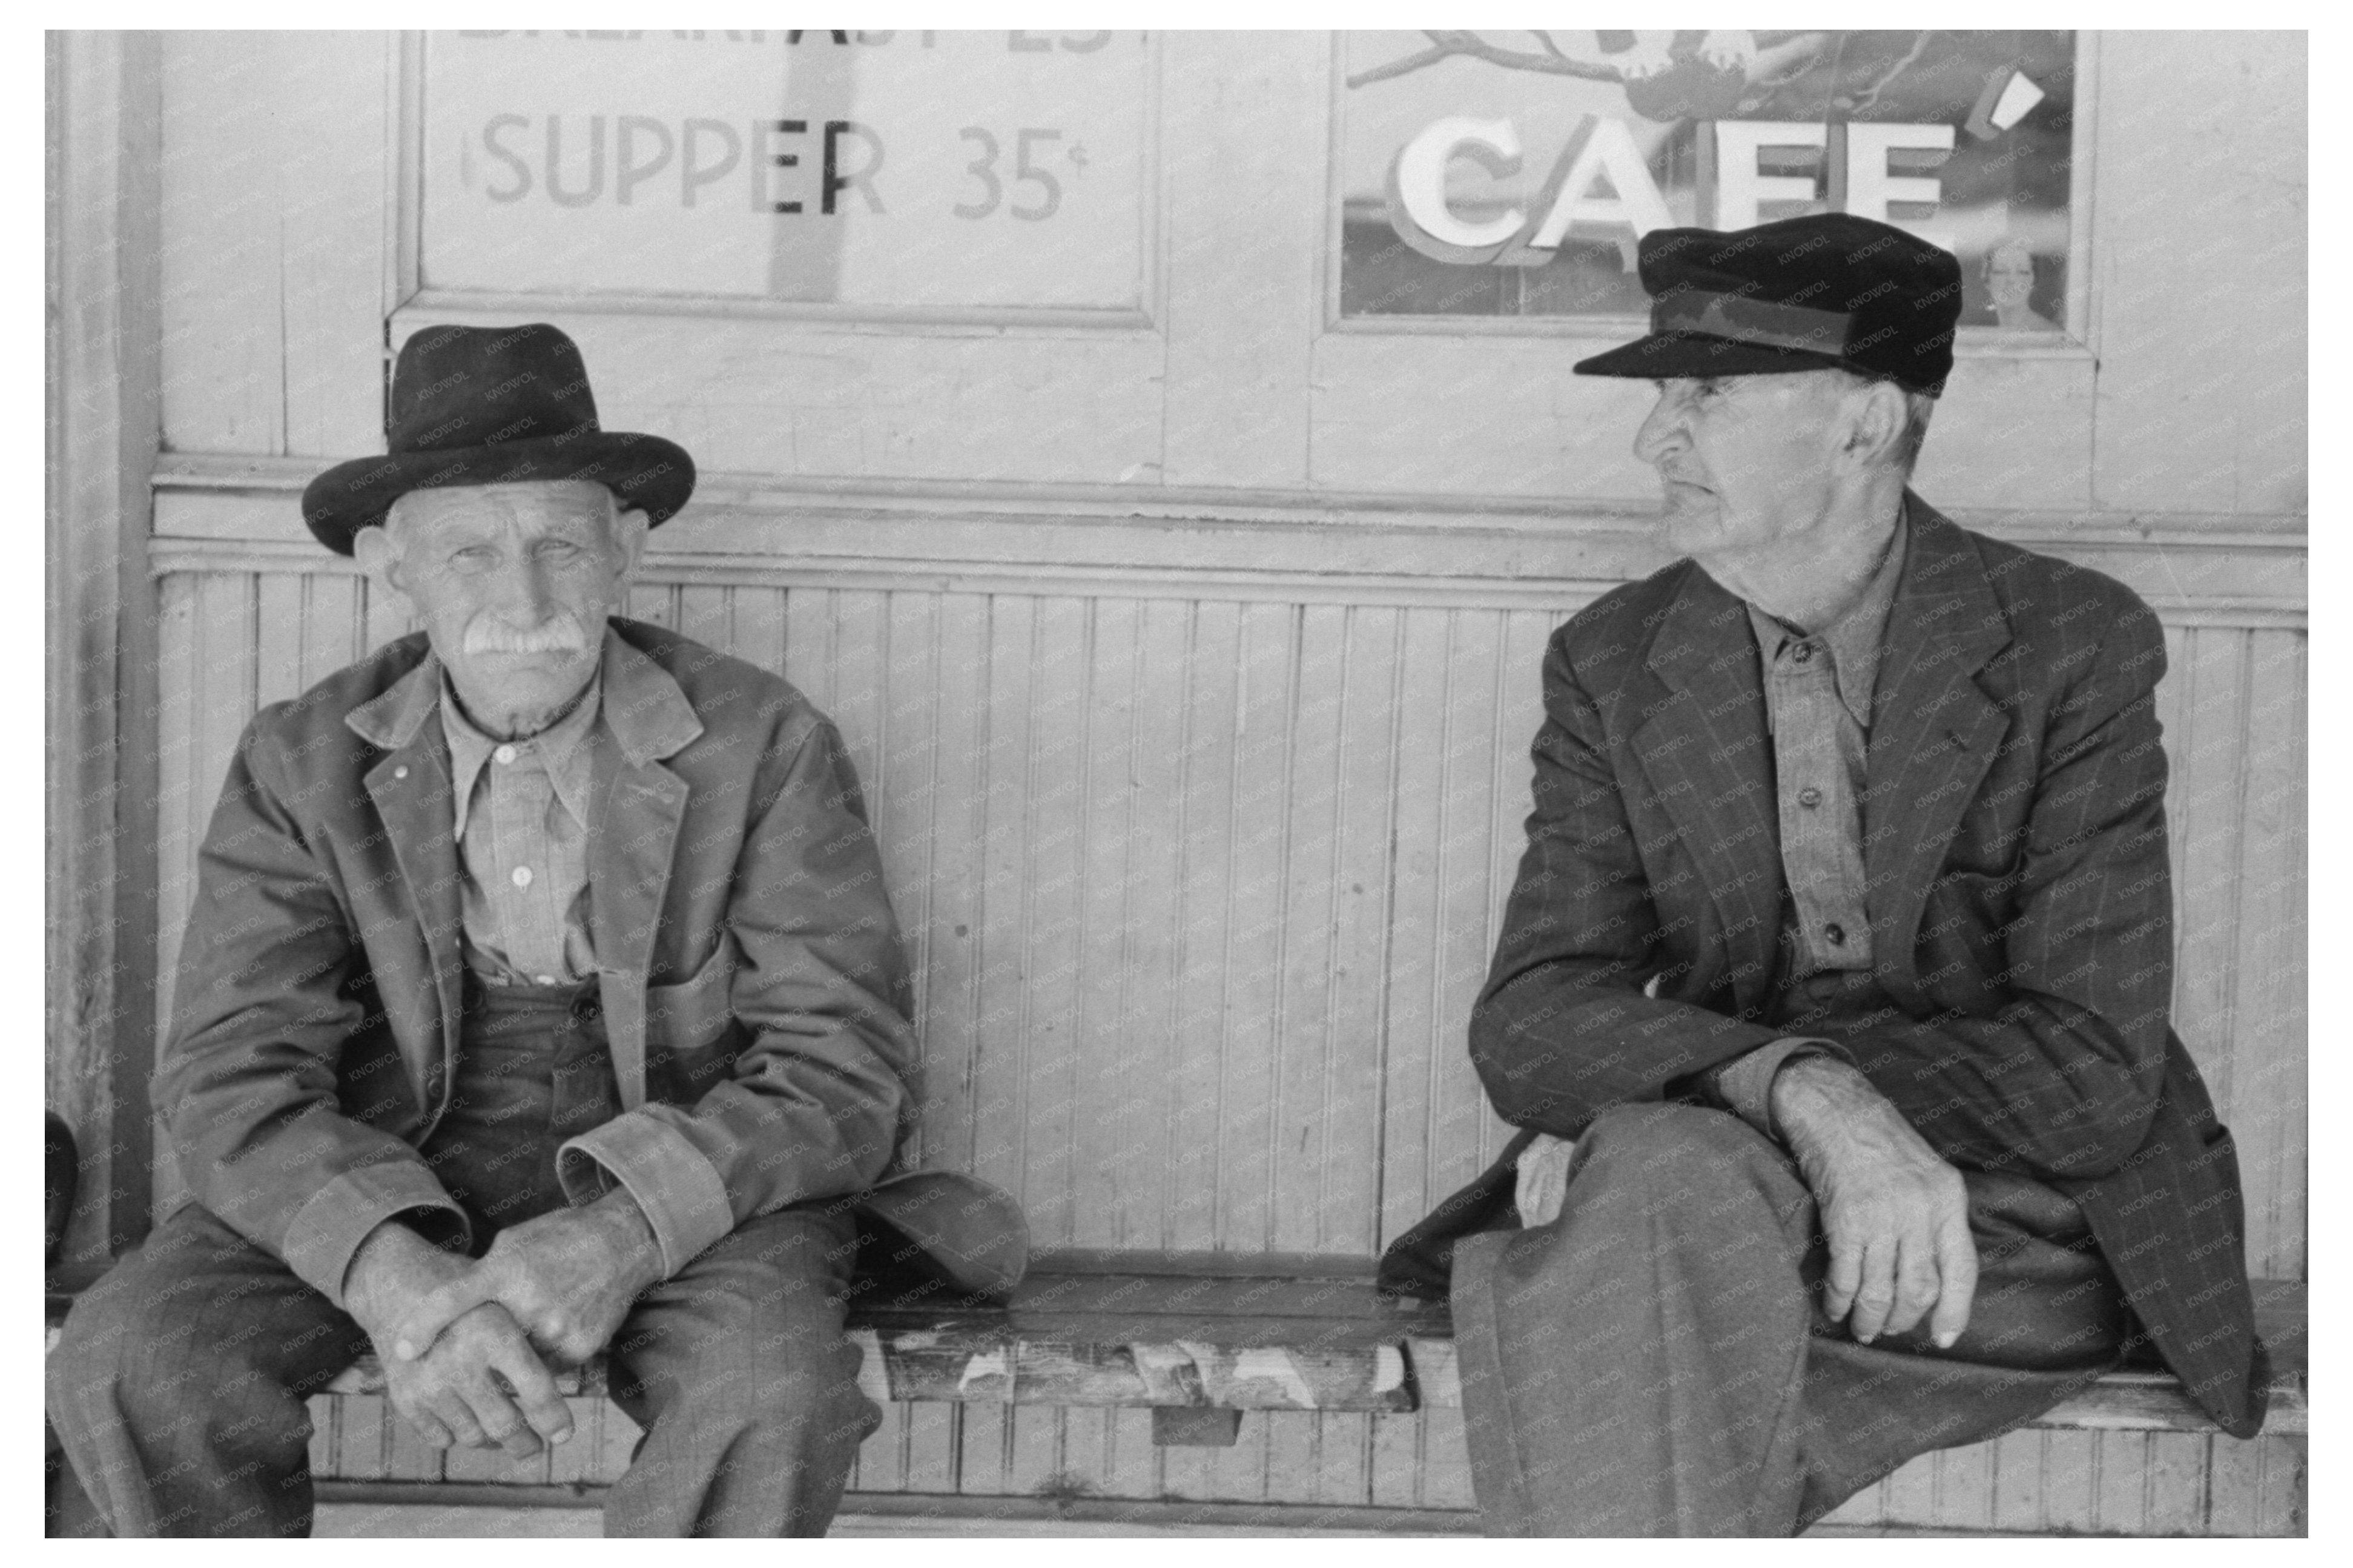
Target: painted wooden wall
[
  {"x": 1199, "y": 869},
  {"x": 1191, "y": 664}
]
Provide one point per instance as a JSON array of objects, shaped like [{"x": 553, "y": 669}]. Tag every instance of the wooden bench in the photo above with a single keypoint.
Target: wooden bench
[{"x": 1198, "y": 1339}]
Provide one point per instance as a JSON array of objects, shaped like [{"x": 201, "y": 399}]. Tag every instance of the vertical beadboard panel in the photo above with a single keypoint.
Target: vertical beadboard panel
[
  {"x": 1003, "y": 1027},
  {"x": 1197, "y": 894},
  {"x": 1418, "y": 1028},
  {"x": 2269, "y": 1112},
  {"x": 953, "y": 1033},
  {"x": 1150, "y": 1026},
  {"x": 1211, "y": 825},
  {"x": 1255, "y": 937},
  {"x": 1347, "y": 999},
  {"x": 1111, "y": 1065},
  {"x": 1060, "y": 819},
  {"x": 2210, "y": 781}
]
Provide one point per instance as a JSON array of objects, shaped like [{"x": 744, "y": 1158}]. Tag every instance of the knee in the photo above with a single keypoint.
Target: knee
[
  {"x": 1669, "y": 1153},
  {"x": 754, "y": 1368},
  {"x": 106, "y": 1332},
  {"x": 134, "y": 1345},
  {"x": 797, "y": 1369}
]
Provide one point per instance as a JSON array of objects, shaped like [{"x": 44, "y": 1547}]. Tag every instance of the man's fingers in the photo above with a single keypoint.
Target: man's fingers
[
  {"x": 429, "y": 1425},
  {"x": 1875, "y": 1295},
  {"x": 503, "y": 1425},
  {"x": 1956, "y": 1268},
  {"x": 534, "y": 1391},
  {"x": 1916, "y": 1282},
  {"x": 456, "y": 1420},
  {"x": 1845, "y": 1276},
  {"x": 441, "y": 1307}
]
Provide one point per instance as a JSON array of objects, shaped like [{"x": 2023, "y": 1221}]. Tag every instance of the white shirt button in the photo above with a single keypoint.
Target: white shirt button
[
  {"x": 401, "y": 773},
  {"x": 504, "y": 753},
  {"x": 523, "y": 876}
]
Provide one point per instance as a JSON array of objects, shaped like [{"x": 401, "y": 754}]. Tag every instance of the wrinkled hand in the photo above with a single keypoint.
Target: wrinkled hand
[
  {"x": 1895, "y": 1215},
  {"x": 568, "y": 1278},
  {"x": 455, "y": 1395}
]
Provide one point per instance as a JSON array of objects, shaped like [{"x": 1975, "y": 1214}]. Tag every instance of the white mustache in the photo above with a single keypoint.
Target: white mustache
[{"x": 560, "y": 633}]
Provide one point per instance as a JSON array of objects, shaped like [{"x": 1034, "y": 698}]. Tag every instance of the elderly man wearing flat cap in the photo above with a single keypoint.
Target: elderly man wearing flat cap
[
  {"x": 539, "y": 997},
  {"x": 1832, "y": 996}
]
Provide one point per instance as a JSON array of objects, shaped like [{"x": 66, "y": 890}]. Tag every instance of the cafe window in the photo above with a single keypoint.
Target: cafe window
[
  {"x": 872, "y": 173},
  {"x": 1508, "y": 175}
]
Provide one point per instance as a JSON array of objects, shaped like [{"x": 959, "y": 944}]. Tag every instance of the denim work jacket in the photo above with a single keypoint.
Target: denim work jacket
[{"x": 754, "y": 994}]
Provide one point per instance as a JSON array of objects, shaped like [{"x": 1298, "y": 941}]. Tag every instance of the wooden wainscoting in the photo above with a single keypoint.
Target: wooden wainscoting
[{"x": 1198, "y": 818}]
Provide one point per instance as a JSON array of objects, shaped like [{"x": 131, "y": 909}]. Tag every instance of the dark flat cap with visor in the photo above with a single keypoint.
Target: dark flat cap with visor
[
  {"x": 488, "y": 405},
  {"x": 1823, "y": 291}
]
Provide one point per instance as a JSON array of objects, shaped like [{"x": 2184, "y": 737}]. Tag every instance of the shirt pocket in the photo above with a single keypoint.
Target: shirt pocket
[{"x": 691, "y": 1030}]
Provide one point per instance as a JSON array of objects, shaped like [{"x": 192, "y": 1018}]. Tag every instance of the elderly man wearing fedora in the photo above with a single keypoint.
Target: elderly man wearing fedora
[
  {"x": 540, "y": 997},
  {"x": 1831, "y": 1000}
]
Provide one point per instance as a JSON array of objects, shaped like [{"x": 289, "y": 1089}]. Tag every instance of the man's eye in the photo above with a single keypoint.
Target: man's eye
[{"x": 472, "y": 557}]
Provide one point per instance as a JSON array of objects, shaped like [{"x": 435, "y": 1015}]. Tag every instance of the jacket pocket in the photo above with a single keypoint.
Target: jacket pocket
[{"x": 694, "y": 1015}]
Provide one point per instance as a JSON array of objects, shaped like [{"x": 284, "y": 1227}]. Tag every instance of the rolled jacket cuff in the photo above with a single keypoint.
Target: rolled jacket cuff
[
  {"x": 1745, "y": 1084},
  {"x": 678, "y": 1189},
  {"x": 327, "y": 1231}
]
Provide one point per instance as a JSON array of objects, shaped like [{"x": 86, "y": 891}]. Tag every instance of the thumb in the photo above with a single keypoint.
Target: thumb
[{"x": 441, "y": 1307}]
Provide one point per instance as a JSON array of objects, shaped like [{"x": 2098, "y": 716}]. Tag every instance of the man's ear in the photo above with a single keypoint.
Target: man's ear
[
  {"x": 379, "y": 558},
  {"x": 1876, "y": 423},
  {"x": 629, "y": 538}
]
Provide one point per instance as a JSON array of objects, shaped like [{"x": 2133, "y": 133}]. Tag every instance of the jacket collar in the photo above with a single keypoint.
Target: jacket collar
[
  {"x": 1934, "y": 734},
  {"x": 648, "y": 714},
  {"x": 637, "y": 809},
  {"x": 1703, "y": 748},
  {"x": 1935, "y": 730}
]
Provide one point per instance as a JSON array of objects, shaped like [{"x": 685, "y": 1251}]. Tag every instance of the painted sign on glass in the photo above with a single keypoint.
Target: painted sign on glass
[
  {"x": 890, "y": 169},
  {"x": 1509, "y": 173}
]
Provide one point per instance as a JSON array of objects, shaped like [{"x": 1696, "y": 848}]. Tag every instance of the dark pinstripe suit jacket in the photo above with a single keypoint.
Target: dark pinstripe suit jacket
[{"x": 2017, "y": 884}]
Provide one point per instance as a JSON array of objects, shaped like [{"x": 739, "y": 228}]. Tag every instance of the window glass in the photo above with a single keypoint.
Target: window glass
[
  {"x": 1508, "y": 174},
  {"x": 885, "y": 169}
]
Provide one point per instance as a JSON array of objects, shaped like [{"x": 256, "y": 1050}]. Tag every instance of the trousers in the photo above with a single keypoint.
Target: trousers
[
  {"x": 1656, "y": 1360},
  {"x": 177, "y": 1388}
]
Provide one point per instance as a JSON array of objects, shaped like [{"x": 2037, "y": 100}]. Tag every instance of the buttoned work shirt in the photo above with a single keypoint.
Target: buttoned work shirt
[
  {"x": 523, "y": 845},
  {"x": 1817, "y": 691},
  {"x": 1818, "y": 694}
]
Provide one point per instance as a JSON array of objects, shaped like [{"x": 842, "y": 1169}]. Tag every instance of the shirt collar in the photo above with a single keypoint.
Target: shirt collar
[
  {"x": 558, "y": 748},
  {"x": 1854, "y": 640},
  {"x": 642, "y": 705}
]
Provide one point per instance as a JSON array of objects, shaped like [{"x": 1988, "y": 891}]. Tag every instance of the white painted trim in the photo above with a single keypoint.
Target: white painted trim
[
  {"x": 242, "y": 474},
  {"x": 876, "y": 574},
  {"x": 229, "y": 514},
  {"x": 2083, "y": 181}
]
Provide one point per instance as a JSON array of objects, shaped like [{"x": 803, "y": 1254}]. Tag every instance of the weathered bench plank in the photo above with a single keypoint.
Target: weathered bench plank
[{"x": 1234, "y": 1332}]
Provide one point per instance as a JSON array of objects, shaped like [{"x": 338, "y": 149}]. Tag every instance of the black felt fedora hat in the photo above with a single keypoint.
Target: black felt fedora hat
[
  {"x": 1804, "y": 293},
  {"x": 488, "y": 405}
]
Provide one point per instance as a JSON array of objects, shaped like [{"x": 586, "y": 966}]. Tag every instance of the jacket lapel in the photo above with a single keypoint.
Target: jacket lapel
[
  {"x": 1934, "y": 731},
  {"x": 411, "y": 792},
  {"x": 1705, "y": 752},
  {"x": 633, "y": 836}
]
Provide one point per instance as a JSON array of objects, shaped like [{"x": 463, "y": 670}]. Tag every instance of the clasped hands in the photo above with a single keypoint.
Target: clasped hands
[
  {"x": 468, "y": 1345},
  {"x": 1895, "y": 1215}
]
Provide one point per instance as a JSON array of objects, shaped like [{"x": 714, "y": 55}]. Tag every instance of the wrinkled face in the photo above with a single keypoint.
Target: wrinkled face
[
  {"x": 514, "y": 583},
  {"x": 2010, "y": 277},
  {"x": 1746, "y": 460}
]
